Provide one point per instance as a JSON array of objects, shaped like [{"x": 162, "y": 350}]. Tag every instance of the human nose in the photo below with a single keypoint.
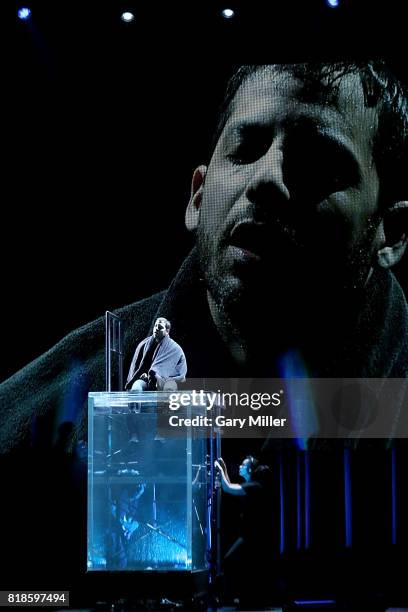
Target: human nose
[{"x": 267, "y": 188}]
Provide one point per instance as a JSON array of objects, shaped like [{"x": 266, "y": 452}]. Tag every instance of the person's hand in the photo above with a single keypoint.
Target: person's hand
[
  {"x": 144, "y": 377},
  {"x": 222, "y": 463},
  {"x": 218, "y": 465}
]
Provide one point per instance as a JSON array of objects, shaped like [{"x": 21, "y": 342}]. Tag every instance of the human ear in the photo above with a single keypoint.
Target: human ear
[
  {"x": 193, "y": 207},
  {"x": 395, "y": 235}
]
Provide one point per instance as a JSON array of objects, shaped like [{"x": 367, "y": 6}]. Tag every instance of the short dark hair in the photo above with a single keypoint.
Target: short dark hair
[
  {"x": 381, "y": 89},
  {"x": 263, "y": 475},
  {"x": 259, "y": 472}
]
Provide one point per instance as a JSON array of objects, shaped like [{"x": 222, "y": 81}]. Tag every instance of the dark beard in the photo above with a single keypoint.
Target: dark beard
[{"x": 311, "y": 309}]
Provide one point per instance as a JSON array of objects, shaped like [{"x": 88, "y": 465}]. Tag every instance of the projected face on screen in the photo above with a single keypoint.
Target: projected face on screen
[{"x": 290, "y": 202}]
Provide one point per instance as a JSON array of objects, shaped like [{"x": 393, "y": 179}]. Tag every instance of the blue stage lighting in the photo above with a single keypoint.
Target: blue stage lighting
[
  {"x": 332, "y": 3},
  {"x": 24, "y": 13},
  {"x": 228, "y": 13},
  {"x": 127, "y": 17},
  {"x": 314, "y": 602}
]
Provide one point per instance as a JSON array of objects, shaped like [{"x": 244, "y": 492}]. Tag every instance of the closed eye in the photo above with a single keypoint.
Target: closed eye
[{"x": 249, "y": 143}]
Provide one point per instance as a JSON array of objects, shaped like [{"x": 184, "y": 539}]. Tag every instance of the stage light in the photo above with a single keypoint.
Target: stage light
[
  {"x": 314, "y": 602},
  {"x": 127, "y": 17},
  {"x": 24, "y": 13},
  {"x": 333, "y": 3},
  {"x": 228, "y": 13}
]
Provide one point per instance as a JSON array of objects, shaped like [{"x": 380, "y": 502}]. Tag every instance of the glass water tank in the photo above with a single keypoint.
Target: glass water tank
[{"x": 150, "y": 490}]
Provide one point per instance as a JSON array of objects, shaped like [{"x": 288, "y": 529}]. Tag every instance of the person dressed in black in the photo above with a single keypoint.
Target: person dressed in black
[{"x": 247, "y": 563}]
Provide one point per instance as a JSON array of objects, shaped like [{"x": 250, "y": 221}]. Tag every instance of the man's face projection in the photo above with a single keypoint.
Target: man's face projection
[{"x": 289, "y": 204}]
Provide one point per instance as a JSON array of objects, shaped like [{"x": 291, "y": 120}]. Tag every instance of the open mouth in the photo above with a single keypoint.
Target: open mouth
[
  {"x": 250, "y": 237},
  {"x": 260, "y": 239}
]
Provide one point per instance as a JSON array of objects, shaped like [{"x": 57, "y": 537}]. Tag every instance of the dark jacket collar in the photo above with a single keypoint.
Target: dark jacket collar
[{"x": 376, "y": 346}]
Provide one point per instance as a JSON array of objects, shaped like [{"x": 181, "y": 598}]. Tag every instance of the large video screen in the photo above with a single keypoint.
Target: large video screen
[{"x": 250, "y": 218}]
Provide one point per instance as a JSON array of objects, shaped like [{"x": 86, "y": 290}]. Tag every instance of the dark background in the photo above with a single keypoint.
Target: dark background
[{"x": 108, "y": 121}]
